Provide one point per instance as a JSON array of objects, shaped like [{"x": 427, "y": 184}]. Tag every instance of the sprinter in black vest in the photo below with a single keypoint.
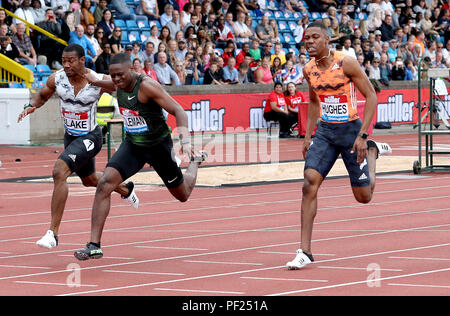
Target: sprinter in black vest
[{"x": 141, "y": 102}]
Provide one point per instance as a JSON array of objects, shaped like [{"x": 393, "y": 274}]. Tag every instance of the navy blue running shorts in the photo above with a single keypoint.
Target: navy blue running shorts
[
  {"x": 80, "y": 151},
  {"x": 332, "y": 140},
  {"x": 131, "y": 158}
]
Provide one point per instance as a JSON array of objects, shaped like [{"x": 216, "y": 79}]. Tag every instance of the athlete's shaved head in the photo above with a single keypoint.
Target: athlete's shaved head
[
  {"x": 121, "y": 58},
  {"x": 318, "y": 24}
]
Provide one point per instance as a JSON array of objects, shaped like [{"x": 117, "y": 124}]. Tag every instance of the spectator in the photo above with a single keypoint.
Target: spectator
[
  {"x": 150, "y": 9},
  {"x": 392, "y": 51},
  {"x": 38, "y": 11},
  {"x": 180, "y": 71},
  {"x": 291, "y": 74},
  {"x": 191, "y": 38},
  {"x": 276, "y": 69},
  {"x": 431, "y": 51},
  {"x": 182, "y": 50},
  {"x": 229, "y": 51},
  {"x": 229, "y": 22},
  {"x": 107, "y": 23},
  {"x": 212, "y": 74},
  {"x": 278, "y": 52},
  {"x": 244, "y": 51},
  {"x": 165, "y": 35},
  {"x": 4, "y": 19},
  {"x": 78, "y": 37},
  {"x": 165, "y": 74},
  {"x": 243, "y": 77},
  {"x": 103, "y": 60},
  {"x": 23, "y": 43},
  {"x": 99, "y": 10},
  {"x": 148, "y": 69},
  {"x": 410, "y": 70},
  {"x": 90, "y": 29},
  {"x": 25, "y": 12},
  {"x": 48, "y": 46},
  {"x": 299, "y": 31},
  {"x": 202, "y": 37},
  {"x": 174, "y": 3},
  {"x": 297, "y": 107},
  {"x": 137, "y": 66},
  {"x": 172, "y": 47},
  {"x": 230, "y": 73},
  {"x": 194, "y": 22},
  {"x": 8, "y": 48},
  {"x": 398, "y": 69},
  {"x": 375, "y": 20},
  {"x": 99, "y": 35},
  {"x": 86, "y": 15},
  {"x": 190, "y": 66},
  {"x": 251, "y": 28},
  {"x": 276, "y": 110},
  {"x": 348, "y": 49},
  {"x": 385, "y": 70},
  {"x": 387, "y": 31},
  {"x": 263, "y": 73},
  {"x": 162, "y": 48},
  {"x": 60, "y": 6},
  {"x": 185, "y": 14},
  {"x": 123, "y": 12},
  {"x": 210, "y": 24},
  {"x": 223, "y": 34},
  {"x": 136, "y": 52},
  {"x": 114, "y": 40},
  {"x": 241, "y": 30},
  {"x": 148, "y": 52},
  {"x": 264, "y": 31},
  {"x": 167, "y": 15},
  {"x": 174, "y": 23},
  {"x": 236, "y": 7},
  {"x": 255, "y": 51},
  {"x": 439, "y": 62}
]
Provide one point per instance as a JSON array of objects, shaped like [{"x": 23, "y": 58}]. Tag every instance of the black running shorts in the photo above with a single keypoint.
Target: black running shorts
[
  {"x": 332, "y": 139},
  {"x": 80, "y": 151},
  {"x": 130, "y": 158}
]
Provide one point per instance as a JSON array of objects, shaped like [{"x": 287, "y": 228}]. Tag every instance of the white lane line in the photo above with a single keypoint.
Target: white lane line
[
  {"x": 223, "y": 262},
  {"x": 293, "y": 253},
  {"x": 420, "y": 258},
  {"x": 48, "y": 283},
  {"x": 171, "y": 248},
  {"x": 355, "y": 268},
  {"x": 22, "y": 267},
  {"x": 199, "y": 291},
  {"x": 282, "y": 279},
  {"x": 120, "y": 258},
  {"x": 143, "y": 272},
  {"x": 420, "y": 285}
]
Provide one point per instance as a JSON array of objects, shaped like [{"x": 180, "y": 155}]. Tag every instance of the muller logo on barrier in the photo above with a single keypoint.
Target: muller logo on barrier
[{"x": 201, "y": 118}]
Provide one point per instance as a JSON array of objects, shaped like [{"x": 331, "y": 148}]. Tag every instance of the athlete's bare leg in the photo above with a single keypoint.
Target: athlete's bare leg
[
  {"x": 184, "y": 190},
  {"x": 311, "y": 185},
  {"x": 365, "y": 194},
  {"x": 61, "y": 172}
]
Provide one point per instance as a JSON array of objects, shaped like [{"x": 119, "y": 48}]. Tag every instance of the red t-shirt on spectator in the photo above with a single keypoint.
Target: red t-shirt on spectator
[
  {"x": 274, "y": 97},
  {"x": 295, "y": 100}
]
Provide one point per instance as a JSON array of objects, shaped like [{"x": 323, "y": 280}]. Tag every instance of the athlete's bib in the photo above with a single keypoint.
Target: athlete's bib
[
  {"x": 76, "y": 123},
  {"x": 334, "y": 109},
  {"x": 133, "y": 122}
]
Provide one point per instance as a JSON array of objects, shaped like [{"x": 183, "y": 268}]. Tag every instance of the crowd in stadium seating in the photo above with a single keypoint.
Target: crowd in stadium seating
[{"x": 183, "y": 42}]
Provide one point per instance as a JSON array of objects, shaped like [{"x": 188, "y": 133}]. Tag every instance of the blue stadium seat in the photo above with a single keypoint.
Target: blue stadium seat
[
  {"x": 16, "y": 85},
  {"x": 120, "y": 23},
  {"x": 132, "y": 25},
  {"x": 134, "y": 36},
  {"x": 43, "y": 71},
  {"x": 154, "y": 22},
  {"x": 143, "y": 25},
  {"x": 278, "y": 15},
  {"x": 144, "y": 36},
  {"x": 292, "y": 25},
  {"x": 294, "y": 50},
  {"x": 288, "y": 38},
  {"x": 124, "y": 40},
  {"x": 269, "y": 14},
  {"x": 283, "y": 26}
]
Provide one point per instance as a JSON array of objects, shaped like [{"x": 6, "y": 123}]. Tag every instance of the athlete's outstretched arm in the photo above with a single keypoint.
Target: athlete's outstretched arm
[
  {"x": 106, "y": 83},
  {"x": 39, "y": 99},
  {"x": 151, "y": 89},
  {"x": 353, "y": 70}
]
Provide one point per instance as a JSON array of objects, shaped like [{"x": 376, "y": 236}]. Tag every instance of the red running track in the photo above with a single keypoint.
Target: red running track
[{"x": 229, "y": 241}]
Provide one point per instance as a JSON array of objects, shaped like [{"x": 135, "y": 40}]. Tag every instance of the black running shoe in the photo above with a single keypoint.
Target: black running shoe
[{"x": 90, "y": 252}]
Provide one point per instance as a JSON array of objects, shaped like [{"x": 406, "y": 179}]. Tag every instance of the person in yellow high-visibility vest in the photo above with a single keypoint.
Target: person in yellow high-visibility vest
[{"x": 105, "y": 111}]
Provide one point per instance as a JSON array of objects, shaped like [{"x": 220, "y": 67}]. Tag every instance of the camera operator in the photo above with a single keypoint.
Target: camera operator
[{"x": 398, "y": 69}]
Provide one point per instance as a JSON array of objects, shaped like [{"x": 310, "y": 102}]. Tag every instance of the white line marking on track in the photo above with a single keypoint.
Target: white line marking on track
[
  {"x": 171, "y": 248},
  {"x": 282, "y": 279},
  {"x": 199, "y": 291},
  {"x": 420, "y": 285},
  {"x": 143, "y": 272},
  {"x": 223, "y": 262},
  {"x": 48, "y": 283},
  {"x": 420, "y": 258},
  {"x": 355, "y": 268},
  {"x": 120, "y": 258},
  {"x": 22, "y": 267}
]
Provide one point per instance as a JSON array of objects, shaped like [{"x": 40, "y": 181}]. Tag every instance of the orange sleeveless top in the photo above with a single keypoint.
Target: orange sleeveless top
[{"x": 336, "y": 91}]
